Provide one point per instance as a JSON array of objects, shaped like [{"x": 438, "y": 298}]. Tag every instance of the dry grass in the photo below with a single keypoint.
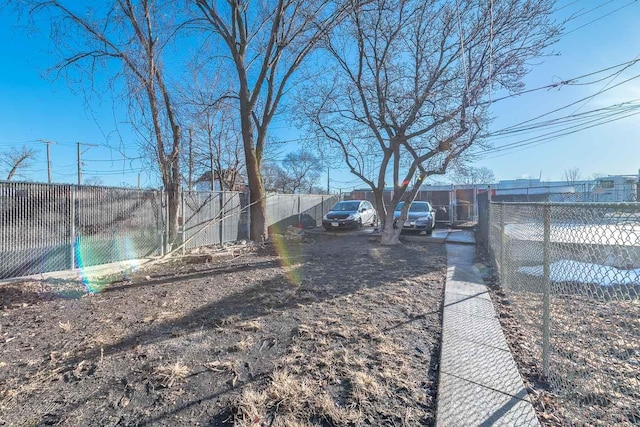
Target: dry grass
[
  {"x": 290, "y": 400},
  {"x": 170, "y": 375},
  {"x": 243, "y": 345},
  {"x": 365, "y": 387},
  {"x": 342, "y": 364},
  {"x": 221, "y": 366},
  {"x": 339, "y": 349},
  {"x": 251, "y": 326},
  {"x": 229, "y": 320},
  {"x": 108, "y": 336},
  {"x": 595, "y": 376},
  {"x": 65, "y": 326}
]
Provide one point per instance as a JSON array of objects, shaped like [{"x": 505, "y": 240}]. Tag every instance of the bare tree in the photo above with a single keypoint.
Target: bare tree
[
  {"x": 303, "y": 170},
  {"x": 125, "y": 40},
  {"x": 298, "y": 172},
  {"x": 17, "y": 161},
  {"x": 410, "y": 86},
  {"x": 572, "y": 175},
  {"x": 267, "y": 42},
  {"x": 94, "y": 181},
  {"x": 215, "y": 144},
  {"x": 471, "y": 175},
  {"x": 274, "y": 177}
]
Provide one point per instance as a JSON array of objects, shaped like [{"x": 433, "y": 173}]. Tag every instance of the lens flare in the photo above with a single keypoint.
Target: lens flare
[
  {"x": 287, "y": 261},
  {"x": 90, "y": 253}
]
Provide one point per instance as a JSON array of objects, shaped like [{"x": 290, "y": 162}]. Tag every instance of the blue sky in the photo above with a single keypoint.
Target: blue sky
[{"x": 33, "y": 108}]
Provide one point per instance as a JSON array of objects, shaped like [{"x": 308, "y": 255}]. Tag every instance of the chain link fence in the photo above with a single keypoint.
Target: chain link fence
[
  {"x": 60, "y": 227},
  {"x": 297, "y": 210},
  {"x": 213, "y": 218},
  {"x": 571, "y": 272},
  {"x": 47, "y": 227}
]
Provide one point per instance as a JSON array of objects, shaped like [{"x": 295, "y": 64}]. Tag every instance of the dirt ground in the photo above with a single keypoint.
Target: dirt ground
[
  {"x": 332, "y": 330},
  {"x": 595, "y": 358}
]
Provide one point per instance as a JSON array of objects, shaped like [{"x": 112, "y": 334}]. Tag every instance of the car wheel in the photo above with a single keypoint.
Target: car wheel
[{"x": 430, "y": 232}]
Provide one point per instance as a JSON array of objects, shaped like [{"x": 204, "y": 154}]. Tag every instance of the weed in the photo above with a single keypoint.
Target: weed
[{"x": 169, "y": 375}]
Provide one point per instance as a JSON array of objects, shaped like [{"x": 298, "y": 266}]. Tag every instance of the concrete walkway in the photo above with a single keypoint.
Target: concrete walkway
[{"x": 479, "y": 383}]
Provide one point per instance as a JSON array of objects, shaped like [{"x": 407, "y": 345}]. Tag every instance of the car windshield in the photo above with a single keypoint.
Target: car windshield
[
  {"x": 415, "y": 207},
  {"x": 346, "y": 206}
]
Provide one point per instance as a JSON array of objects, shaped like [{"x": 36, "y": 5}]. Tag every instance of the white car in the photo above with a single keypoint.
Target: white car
[{"x": 350, "y": 214}]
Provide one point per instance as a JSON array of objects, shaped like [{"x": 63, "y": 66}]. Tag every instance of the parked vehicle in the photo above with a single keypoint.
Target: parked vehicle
[
  {"x": 421, "y": 217},
  {"x": 350, "y": 214},
  {"x": 615, "y": 189}
]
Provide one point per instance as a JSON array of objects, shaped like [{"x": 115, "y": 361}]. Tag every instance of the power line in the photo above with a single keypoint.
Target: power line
[
  {"x": 566, "y": 5},
  {"x": 561, "y": 120},
  {"x": 535, "y": 141},
  {"x": 538, "y": 143},
  {"x": 569, "y": 82},
  {"x": 601, "y": 17},
  {"x": 574, "y": 103},
  {"x": 591, "y": 10},
  {"x": 123, "y": 159}
]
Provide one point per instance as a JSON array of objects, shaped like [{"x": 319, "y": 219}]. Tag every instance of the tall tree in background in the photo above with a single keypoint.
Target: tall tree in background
[
  {"x": 274, "y": 176},
  {"x": 16, "y": 161},
  {"x": 215, "y": 145},
  {"x": 572, "y": 175},
  {"x": 126, "y": 40},
  {"x": 470, "y": 175},
  {"x": 303, "y": 170},
  {"x": 267, "y": 41},
  {"x": 410, "y": 86},
  {"x": 297, "y": 173}
]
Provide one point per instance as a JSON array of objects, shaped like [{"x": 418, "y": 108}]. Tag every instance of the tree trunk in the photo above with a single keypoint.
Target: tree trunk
[
  {"x": 258, "y": 201},
  {"x": 390, "y": 235},
  {"x": 173, "y": 201}
]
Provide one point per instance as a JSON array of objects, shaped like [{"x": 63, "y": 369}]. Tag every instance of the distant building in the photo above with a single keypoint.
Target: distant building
[{"x": 455, "y": 203}]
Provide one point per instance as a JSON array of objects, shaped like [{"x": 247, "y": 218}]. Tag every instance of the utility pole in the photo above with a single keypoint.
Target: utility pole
[
  {"x": 328, "y": 169},
  {"x": 79, "y": 165},
  {"x": 47, "y": 142},
  {"x": 190, "y": 158},
  {"x": 80, "y": 160}
]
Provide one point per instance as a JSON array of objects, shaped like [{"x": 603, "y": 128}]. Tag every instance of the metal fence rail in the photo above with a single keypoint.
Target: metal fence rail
[{"x": 572, "y": 274}]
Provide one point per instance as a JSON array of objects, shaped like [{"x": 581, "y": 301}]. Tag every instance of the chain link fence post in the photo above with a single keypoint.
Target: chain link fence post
[
  {"x": 220, "y": 228},
  {"x": 546, "y": 302},
  {"x": 502, "y": 242},
  {"x": 161, "y": 223},
  {"x": 183, "y": 221},
  {"x": 72, "y": 231}
]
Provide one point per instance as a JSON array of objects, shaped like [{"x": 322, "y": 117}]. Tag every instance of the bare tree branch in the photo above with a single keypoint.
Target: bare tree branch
[
  {"x": 409, "y": 82},
  {"x": 276, "y": 36},
  {"x": 17, "y": 160}
]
